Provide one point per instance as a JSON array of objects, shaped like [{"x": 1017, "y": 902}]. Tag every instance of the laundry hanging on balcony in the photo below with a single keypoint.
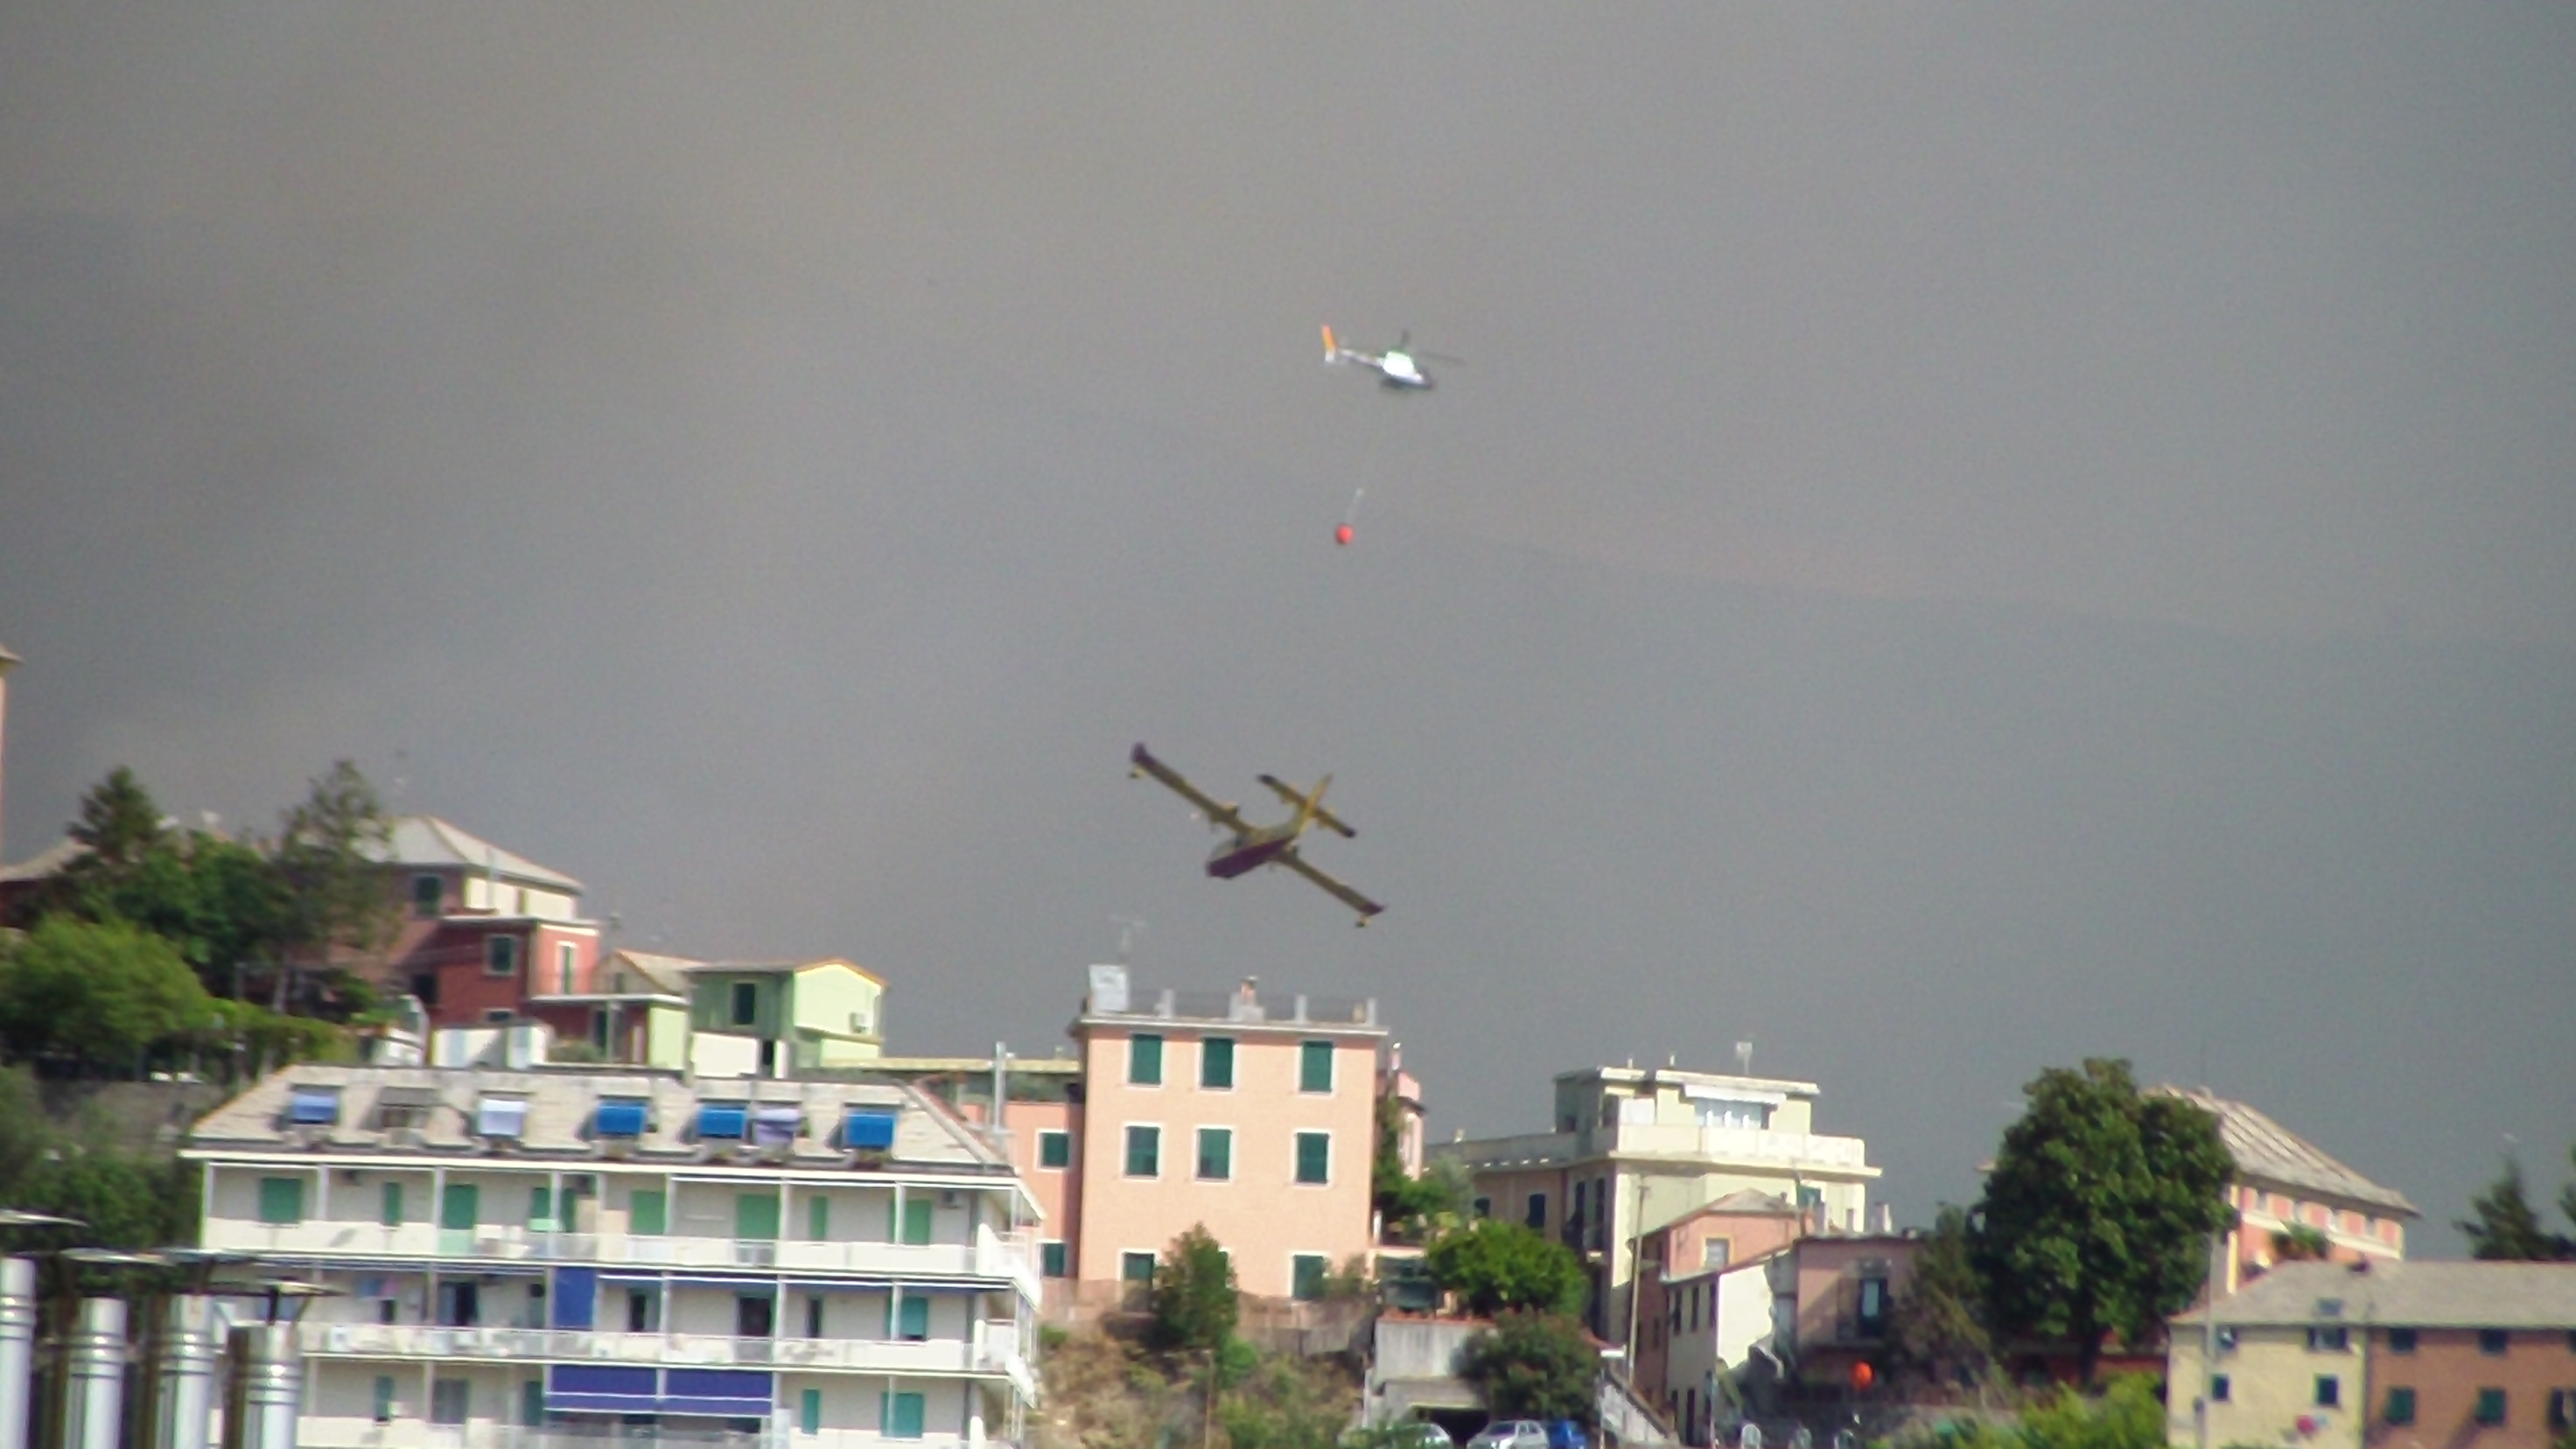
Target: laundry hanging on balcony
[{"x": 776, "y": 1126}]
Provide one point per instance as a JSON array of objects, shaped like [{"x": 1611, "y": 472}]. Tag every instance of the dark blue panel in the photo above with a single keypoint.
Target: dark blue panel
[
  {"x": 733, "y": 1386},
  {"x": 586, "y": 1378},
  {"x": 619, "y": 1119},
  {"x": 721, "y": 1122},
  {"x": 576, "y": 1296},
  {"x": 869, "y": 1127},
  {"x": 311, "y": 1108}
]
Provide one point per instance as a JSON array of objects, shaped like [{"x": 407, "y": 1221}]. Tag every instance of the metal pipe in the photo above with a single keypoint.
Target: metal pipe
[
  {"x": 17, "y": 1350},
  {"x": 94, "y": 1376},
  {"x": 184, "y": 1354},
  {"x": 263, "y": 1391}
]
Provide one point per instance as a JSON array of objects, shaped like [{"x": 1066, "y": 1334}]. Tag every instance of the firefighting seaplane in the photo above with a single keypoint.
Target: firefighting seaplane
[
  {"x": 1249, "y": 847},
  {"x": 1397, "y": 367}
]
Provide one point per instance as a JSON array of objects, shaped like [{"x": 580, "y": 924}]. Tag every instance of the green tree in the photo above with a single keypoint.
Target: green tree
[
  {"x": 119, "y": 822},
  {"x": 2503, "y": 1225},
  {"x": 1495, "y": 1266},
  {"x": 1936, "y": 1327},
  {"x": 100, "y": 993},
  {"x": 1534, "y": 1366},
  {"x": 2127, "y": 1416},
  {"x": 2096, "y": 1216},
  {"x": 1194, "y": 1305},
  {"x": 329, "y": 851},
  {"x": 2299, "y": 1243}
]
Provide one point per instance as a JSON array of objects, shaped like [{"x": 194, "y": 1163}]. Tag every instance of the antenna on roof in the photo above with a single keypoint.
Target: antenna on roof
[{"x": 1744, "y": 1059}]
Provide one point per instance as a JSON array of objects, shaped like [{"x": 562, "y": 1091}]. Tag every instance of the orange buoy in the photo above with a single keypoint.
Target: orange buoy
[{"x": 1863, "y": 1375}]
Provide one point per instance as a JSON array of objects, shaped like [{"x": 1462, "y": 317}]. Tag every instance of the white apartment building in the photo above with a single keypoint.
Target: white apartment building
[{"x": 549, "y": 1258}]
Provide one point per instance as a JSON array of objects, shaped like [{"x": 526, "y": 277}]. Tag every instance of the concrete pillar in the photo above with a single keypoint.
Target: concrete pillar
[
  {"x": 94, "y": 1376},
  {"x": 264, "y": 1389},
  {"x": 184, "y": 1352},
  {"x": 17, "y": 1350}
]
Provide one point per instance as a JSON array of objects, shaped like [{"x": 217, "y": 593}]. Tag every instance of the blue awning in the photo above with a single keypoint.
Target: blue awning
[
  {"x": 313, "y": 1106},
  {"x": 721, "y": 1122},
  {"x": 619, "y": 1119},
  {"x": 868, "y": 1127}
]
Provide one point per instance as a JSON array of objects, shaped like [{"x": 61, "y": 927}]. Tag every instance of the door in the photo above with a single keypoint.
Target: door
[
  {"x": 448, "y": 1400},
  {"x": 459, "y": 1306},
  {"x": 754, "y": 1315},
  {"x": 916, "y": 1221}
]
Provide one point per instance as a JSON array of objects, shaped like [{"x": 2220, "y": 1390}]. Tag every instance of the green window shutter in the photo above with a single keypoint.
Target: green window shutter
[
  {"x": 1145, "y": 1061},
  {"x": 809, "y": 1411},
  {"x": 1216, "y": 1062},
  {"x": 1055, "y": 1149},
  {"x": 1051, "y": 1260},
  {"x": 1216, "y": 1154},
  {"x": 755, "y": 1216},
  {"x": 916, "y": 1221},
  {"x": 1144, "y": 1151},
  {"x": 384, "y": 1399},
  {"x": 1136, "y": 1267},
  {"x": 649, "y": 1214},
  {"x": 391, "y": 1215},
  {"x": 906, "y": 1423},
  {"x": 915, "y": 1323},
  {"x": 1315, "y": 1066},
  {"x": 2490, "y": 1411},
  {"x": 1306, "y": 1275},
  {"x": 281, "y": 1201},
  {"x": 541, "y": 1209},
  {"x": 2401, "y": 1406},
  {"x": 462, "y": 1208},
  {"x": 818, "y": 1217},
  {"x": 532, "y": 1402},
  {"x": 1314, "y": 1157}
]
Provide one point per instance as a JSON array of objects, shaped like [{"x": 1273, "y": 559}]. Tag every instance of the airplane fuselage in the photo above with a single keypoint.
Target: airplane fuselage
[{"x": 1248, "y": 853}]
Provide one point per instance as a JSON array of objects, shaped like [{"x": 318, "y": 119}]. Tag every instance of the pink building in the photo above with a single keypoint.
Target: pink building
[
  {"x": 1250, "y": 1114},
  {"x": 2285, "y": 1182}
]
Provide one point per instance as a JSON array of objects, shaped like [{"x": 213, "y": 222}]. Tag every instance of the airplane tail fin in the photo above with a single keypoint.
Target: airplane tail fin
[
  {"x": 1332, "y": 352},
  {"x": 1307, "y": 809}
]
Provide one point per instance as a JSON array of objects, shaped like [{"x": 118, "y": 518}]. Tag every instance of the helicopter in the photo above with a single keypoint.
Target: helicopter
[{"x": 1398, "y": 367}]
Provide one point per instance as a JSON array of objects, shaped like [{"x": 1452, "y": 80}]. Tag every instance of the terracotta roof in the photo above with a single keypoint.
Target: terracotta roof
[
  {"x": 2417, "y": 1294},
  {"x": 2268, "y": 1153}
]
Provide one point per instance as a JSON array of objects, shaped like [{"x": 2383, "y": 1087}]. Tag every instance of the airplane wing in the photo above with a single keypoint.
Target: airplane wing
[
  {"x": 1323, "y": 817},
  {"x": 1340, "y": 892},
  {"x": 1142, "y": 762}
]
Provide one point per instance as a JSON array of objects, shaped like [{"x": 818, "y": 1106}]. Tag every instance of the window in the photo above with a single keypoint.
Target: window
[
  {"x": 390, "y": 1211},
  {"x": 501, "y": 1117},
  {"x": 2401, "y": 1340},
  {"x": 1136, "y": 1268},
  {"x": 1482, "y": 1207},
  {"x": 1314, "y": 1157},
  {"x": 912, "y": 1321},
  {"x": 448, "y": 1400},
  {"x": 500, "y": 955},
  {"x": 2329, "y": 1391},
  {"x": 619, "y": 1117},
  {"x": 1713, "y": 1252},
  {"x": 497, "y": 1015},
  {"x": 281, "y": 1201},
  {"x": 746, "y": 1002},
  {"x": 813, "y": 1315},
  {"x": 2490, "y": 1411},
  {"x": 2334, "y": 1339},
  {"x": 1144, "y": 1061},
  {"x": 2491, "y": 1342},
  {"x": 1144, "y": 1151},
  {"x": 2401, "y": 1406},
  {"x": 1216, "y": 1154},
  {"x": 563, "y": 967},
  {"x": 723, "y": 1121},
  {"x": 901, "y": 1414},
  {"x": 2562, "y": 1409},
  {"x": 1216, "y": 1063},
  {"x": 2218, "y": 1388},
  {"x": 868, "y": 1129},
  {"x": 809, "y": 1411},
  {"x": 1535, "y": 1213},
  {"x": 384, "y": 1395},
  {"x": 1052, "y": 1259},
  {"x": 1055, "y": 1149},
  {"x": 1306, "y": 1276},
  {"x": 754, "y": 1315},
  {"x": 313, "y": 1107},
  {"x": 1873, "y": 1307},
  {"x": 641, "y": 1311},
  {"x": 1315, "y": 1066},
  {"x": 532, "y": 1402},
  {"x": 648, "y": 1214},
  {"x": 427, "y": 893}
]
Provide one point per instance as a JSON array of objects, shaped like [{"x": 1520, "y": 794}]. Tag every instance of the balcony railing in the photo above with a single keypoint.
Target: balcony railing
[
  {"x": 991, "y": 1255},
  {"x": 1678, "y": 1140},
  {"x": 987, "y": 1352},
  {"x": 324, "y": 1431}
]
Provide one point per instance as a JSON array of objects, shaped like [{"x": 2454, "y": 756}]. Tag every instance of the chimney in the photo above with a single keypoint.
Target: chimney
[{"x": 8, "y": 661}]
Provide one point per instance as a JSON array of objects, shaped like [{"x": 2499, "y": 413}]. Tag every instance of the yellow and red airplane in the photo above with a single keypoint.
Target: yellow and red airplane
[{"x": 1249, "y": 847}]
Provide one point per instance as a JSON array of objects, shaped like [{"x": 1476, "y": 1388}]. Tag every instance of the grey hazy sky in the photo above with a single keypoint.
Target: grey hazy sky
[{"x": 1968, "y": 537}]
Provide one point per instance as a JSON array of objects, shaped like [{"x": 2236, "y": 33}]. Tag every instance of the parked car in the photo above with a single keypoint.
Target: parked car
[
  {"x": 1421, "y": 1434},
  {"x": 1511, "y": 1434},
  {"x": 1567, "y": 1434}
]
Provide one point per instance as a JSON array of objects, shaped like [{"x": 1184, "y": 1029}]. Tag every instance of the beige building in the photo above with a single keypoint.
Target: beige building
[
  {"x": 1636, "y": 1146},
  {"x": 1248, "y": 1112}
]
